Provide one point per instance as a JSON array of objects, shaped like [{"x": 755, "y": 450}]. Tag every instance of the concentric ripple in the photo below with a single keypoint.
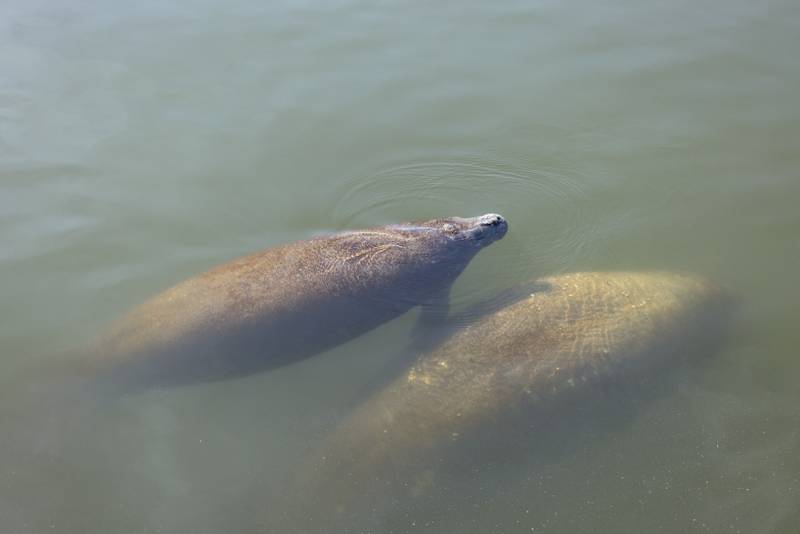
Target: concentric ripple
[{"x": 550, "y": 229}]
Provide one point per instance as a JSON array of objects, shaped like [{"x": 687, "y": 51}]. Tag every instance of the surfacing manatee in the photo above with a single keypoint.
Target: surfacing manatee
[
  {"x": 292, "y": 301},
  {"x": 487, "y": 386}
]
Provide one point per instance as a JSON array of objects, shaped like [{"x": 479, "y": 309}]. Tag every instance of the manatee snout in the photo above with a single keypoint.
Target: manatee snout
[
  {"x": 492, "y": 219},
  {"x": 488, "y": 228}
]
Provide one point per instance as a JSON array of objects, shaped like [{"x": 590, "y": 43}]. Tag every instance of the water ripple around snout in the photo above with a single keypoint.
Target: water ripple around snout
[{"x": 550, "y": 220}]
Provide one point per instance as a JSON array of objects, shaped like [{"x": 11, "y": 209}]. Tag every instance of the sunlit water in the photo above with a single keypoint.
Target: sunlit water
[{"x": 143, "y": 142}]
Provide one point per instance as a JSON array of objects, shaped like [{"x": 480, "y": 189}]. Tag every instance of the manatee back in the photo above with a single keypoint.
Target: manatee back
[
  {"x": 486, "y": 385},
  {"x": 566, "y": 334}
]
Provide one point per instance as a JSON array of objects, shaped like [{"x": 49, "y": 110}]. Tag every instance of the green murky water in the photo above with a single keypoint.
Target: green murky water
[{"x": 144, "y": 142}]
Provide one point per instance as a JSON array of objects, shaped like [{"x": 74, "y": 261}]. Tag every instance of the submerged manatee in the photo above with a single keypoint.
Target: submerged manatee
[
  {"x": 487, "y": 385},
  {"x": 291, "y": 301}
]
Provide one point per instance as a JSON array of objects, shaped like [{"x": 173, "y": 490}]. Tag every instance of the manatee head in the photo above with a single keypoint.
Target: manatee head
[
  {"x": 454, "y": 237},
  {"x": 417, "y": 259},
  {"x": 431, "y": 254},
  {"x": 462, "y": 234},
  {"x": 477, "y": 231}
]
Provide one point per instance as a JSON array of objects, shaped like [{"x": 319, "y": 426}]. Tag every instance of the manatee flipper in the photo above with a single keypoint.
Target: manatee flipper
[
  {"x": 435, "y": 324},
  {"x": 432, "y": 320},
  {"x": 431, "y": 328}
]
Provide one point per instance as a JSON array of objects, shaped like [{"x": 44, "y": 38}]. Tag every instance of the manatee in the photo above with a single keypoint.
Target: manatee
[
  {"x": 290, "y": 302},
  {"x": 494, "y": 380}
]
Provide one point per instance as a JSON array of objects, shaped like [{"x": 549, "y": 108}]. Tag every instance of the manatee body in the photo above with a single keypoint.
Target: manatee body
[
  {"x": 486, "y": 385},
  {"x": 292, "y": 301}
]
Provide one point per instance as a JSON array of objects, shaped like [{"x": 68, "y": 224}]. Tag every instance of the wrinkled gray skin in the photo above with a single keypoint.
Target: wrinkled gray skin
[
  {"x": 488, "y": 385},
  {"x": 292, "y": 301}
]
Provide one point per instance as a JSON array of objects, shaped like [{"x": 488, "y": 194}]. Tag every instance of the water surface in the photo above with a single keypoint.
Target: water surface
[{"x": 141, "y": 143}]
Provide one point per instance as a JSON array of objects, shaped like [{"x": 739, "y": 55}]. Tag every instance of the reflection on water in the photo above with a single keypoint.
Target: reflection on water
[{"x": 143, "y": 143}]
